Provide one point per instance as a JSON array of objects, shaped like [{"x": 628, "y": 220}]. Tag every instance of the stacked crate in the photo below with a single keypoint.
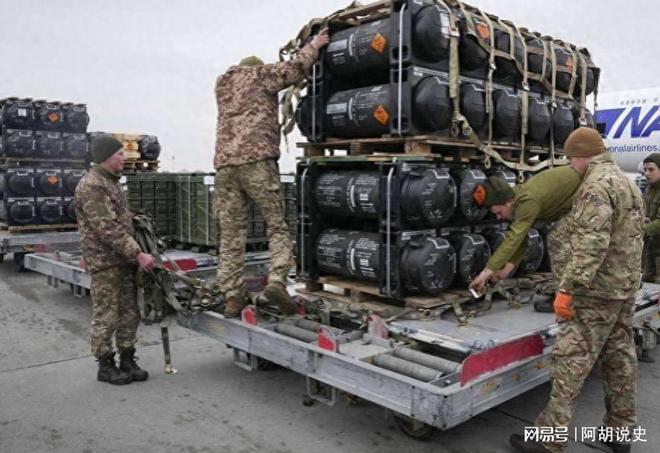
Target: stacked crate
[
  {"x": 43, "y": 155},
  {"x": 154, "y": 194}
]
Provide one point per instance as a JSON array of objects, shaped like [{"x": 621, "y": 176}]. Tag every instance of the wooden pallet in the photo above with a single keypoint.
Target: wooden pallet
[
  {"x": 354, "y": 291},
  {"x": 36, "y": 228},
  {"x": 133, "y": 166},
  {"x": 443, "y": 148}
]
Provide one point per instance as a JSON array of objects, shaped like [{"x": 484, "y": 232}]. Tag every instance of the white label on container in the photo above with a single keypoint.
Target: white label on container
[
  {"x": 337, "y": 45},
  {"x": 332, "y": 109},
  {"x": 22, "y": 112}
]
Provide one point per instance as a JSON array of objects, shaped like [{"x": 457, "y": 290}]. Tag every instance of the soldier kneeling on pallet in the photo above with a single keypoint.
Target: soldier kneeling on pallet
[
  {"x": 544, "y": 198},
  {"x": 112, "y": 257}
]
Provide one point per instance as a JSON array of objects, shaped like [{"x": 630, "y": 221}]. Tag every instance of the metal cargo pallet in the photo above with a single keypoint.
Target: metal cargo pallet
[
  {"x": 20, "y": 244},
  {"x": 499, "y": 355},
  {"x": 66, "y": 267}
]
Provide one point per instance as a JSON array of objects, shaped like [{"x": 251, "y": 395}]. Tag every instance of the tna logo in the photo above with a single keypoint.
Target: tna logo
[{"x": 641, "y": 125}]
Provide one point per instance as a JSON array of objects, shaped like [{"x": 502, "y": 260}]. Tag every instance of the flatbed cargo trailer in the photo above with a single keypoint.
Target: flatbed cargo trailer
[{"x": 21, "y": 244}]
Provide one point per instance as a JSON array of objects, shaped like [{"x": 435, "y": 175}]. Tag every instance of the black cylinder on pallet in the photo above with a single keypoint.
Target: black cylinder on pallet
[
  {"x": 18, "y": 183},
  {"x": 354, "y": 254},
  {"x": 349, "y": 193},
  {"x": 591, "y": 75},
  {"x": 533, "y": 255},
  {"x": 428, "y": 197},
  {"x": 20, "y": 212},
  {"x": 71, "y": 178},
  {"x": 69, "y": 210},
  {"x": 363, "y": 112},
  {"x": 50, "y": 210},
  {"x": 535, "y": 61},
  {"x": 539, "y": 120},
  {"x": 76, "y": 117},
  {"x": 432, "y": 105},
  {"x": 75, "y": 146},
  {"x": 149, "y": 147},
  {"x": 564, "y": 58},
  {"x": 472, "y": 254},
  {"x": 48, "y": 115},
  {"x": 506, "y": 122},
  {"x": 563, "y": 123},
  {"x": 48, "y": 182},
  {"x": 18, "y": 143},
  {"x": 473, "y": 106},
  {"x": 468, "y": 181},
  {"x": 49, "y": 144},
  {"x": 17, "y": 113},
  {"x": 472, "y": 55},
  {"x": 428, "y": 265},
  {"x": 507, "y": 68}
]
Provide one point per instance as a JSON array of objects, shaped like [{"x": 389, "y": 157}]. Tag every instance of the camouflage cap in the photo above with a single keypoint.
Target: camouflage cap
[
  {"x": 497, "y": 191},
  {"x": 103, "y": 147},
  {"x": 654, "y": 158},
  {"x": 252, "y": 60},
  {"x": 584, "y": 142}
]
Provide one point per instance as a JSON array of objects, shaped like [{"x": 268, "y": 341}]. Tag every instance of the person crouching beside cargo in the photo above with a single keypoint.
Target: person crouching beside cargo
[
  {"x": 544, "y": 198},
  {"x": 111, "y": 257},
  {"x": 246, "y": 154},
  {"x": 596, "y": 297}
]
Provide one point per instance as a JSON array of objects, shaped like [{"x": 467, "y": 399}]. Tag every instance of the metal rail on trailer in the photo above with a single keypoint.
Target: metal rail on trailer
[
  {"x": 497, "y": 356},
  {"x": 22, "y": 244}
]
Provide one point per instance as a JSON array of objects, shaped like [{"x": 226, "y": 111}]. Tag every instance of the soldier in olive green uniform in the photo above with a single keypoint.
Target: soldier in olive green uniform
[
  {"x": 544, "y": 198},
  {"x": 246, "y": 154},
  {"x": 651, "y": 260},
  {"x": 596, "y": 293},
  {"x": 111, "y": 256}
]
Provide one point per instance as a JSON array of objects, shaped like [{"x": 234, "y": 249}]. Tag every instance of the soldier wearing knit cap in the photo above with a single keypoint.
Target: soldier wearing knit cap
[
  {"x": 596, "y": 298},
  {"x": 111, "y": 257},
  {"x": 544, "y": 198},
  {"x": 651, "y": 256}
]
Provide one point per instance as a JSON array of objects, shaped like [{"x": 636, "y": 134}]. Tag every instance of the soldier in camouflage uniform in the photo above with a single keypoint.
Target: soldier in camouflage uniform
[
  {"x": 112, "y": 257},
  {"x": 544, "y": 198},
  {"x": 246, "y": 154},
  {"x": 651, "y": 260},
  {"x": 596, "y": 293}
]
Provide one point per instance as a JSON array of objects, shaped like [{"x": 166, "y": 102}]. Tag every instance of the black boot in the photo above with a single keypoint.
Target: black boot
[
  {"x": 108, "y": 371},
  {"x": 127, "y": 364},
  {"x": 517, "y": 441}
]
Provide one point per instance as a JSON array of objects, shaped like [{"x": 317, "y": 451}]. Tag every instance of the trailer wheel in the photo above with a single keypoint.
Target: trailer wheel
[
  {"x": 413, "y": 428},
  {"x": 19, "y": 262}
]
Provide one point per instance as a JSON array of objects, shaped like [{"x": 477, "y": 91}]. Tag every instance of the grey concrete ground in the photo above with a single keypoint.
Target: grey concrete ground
[{"x": 51, "y": 402}]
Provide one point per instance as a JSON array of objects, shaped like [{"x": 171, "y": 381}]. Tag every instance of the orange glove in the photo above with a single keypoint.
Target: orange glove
[{"x": 563, "y": 305}]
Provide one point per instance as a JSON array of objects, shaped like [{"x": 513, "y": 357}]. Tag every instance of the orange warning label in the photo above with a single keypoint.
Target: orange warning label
[
  {"x": 381, "y": 115},
  {"x": 569, "y": 64},
  {"x": 53, "y": 180},
  {"x": 53, "y": 117},
  {"x": 378, "y": 43},
  {"x": 483, "y": 31},
  {"x": 479, "y": 195}
]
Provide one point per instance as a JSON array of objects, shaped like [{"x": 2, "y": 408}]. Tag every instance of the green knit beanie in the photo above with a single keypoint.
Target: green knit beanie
[
  {"x": 498, "y": 191},
  {"x": 103, "y": 147},
  {"x": 252, "y": 60},
  {"x": 655, "y": 158}
]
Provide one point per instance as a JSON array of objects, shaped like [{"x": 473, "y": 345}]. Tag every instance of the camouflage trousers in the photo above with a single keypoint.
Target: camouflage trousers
[
  {"x": 234, "y": 186},
  {"x": 114, "y": 309},
  {"x": 601, "y": 329}
]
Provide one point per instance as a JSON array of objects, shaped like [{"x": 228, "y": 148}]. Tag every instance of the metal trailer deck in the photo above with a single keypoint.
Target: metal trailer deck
[
  {"x": 66, "y": 267},
  {"x": 499, "y": 355},
  {"x": 22, "y": 244}
]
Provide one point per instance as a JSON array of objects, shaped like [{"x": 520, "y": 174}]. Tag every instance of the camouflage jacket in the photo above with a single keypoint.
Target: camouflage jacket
[
  {"x": 104, "y": 221},
  {"x": 607, "y": 230},
  {"x": 546, "y": 197},
  {"x": 247, "y": 129},
  {"x": 652, "y": 229}
]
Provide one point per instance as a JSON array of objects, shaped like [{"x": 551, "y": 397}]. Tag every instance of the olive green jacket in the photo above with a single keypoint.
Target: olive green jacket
[
  {"x": 652, "y": 229},
  {"x": 546, "y": 197}
]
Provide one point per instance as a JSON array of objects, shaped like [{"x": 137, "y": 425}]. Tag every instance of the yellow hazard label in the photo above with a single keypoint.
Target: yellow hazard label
[
  {"x": 378, "y": 43},
  {"x": 483, "y": 30},
  {"x": 53, "y": 117},
  {"x": 569, "y": 64},
  {"x": 381, "y": 115},
  {"x": 52, "y": 179}
]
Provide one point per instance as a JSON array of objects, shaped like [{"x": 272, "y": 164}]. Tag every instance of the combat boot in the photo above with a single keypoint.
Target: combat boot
[
  {"x": 517, "y": 441},
  {"x": 108, "y": 371},
  {"x": 276, "y": 293},
  {"x": 128, "y": 364},
  {"x": 544, "y": 306},
  {"x": 234, "y": 305}
]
